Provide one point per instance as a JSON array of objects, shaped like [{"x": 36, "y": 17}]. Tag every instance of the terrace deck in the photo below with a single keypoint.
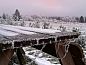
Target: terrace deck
[
  {"x": 26, "y": 36},
  {"x": 12, "y": 37}
]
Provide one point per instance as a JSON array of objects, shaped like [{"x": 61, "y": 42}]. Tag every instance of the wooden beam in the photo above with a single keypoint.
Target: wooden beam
[
  {"x": 6, "y": 56},
  {"x": 49, "y": 48},
  {"x": 77, "y": 54},
  {"x": 67, "y": 60},
  {"x": 74, "y": 56},
  {"x": 20, "y": 55}
]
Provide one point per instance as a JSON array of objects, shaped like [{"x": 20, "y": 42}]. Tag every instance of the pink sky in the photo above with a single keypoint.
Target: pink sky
[{"x": 44, "y": 7}]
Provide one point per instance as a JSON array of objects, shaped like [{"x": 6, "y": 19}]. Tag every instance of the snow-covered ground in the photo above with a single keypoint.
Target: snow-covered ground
[
  {"x": 40, "y": 58},
  {"x": 56, "y": 25}
]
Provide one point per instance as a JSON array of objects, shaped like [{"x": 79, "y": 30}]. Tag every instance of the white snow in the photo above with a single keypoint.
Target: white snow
[
  {"x": 33, "y": 29},
  {"x": 7, "y": 33},
  {"x": 37, "y": 59},
  {"x": 84, "y": 53},
  {"x": 40, "y": 30},
  {"x": 16, "y": 30}
]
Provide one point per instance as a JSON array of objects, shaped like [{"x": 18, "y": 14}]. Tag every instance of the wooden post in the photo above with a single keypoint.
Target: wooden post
[
  {"x": 5, "y": 56},
  {"x": 20, "y": 55},
  {"x": 74, "y": 56},
  {"x": 67, "y": 60}
]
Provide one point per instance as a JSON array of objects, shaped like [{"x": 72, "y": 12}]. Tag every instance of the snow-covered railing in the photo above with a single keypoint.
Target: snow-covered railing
[{"x": 17, "y": 36}]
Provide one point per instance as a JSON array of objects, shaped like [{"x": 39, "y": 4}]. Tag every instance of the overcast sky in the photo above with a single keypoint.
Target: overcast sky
[{"x": 44, "y": 7}]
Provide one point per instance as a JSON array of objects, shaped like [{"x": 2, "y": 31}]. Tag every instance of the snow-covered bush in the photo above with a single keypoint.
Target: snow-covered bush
[
  {"x": 82, "y": 41},
  {"x": 75, "y": 29},
  {"x": 46, "y": 25},
  {"x": 62, "y": 28}
]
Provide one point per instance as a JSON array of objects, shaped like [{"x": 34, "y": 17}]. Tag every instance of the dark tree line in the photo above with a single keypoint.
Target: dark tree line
[
  {"x": 16, "y": 16},
  {"x": 78, "y": 19},
  {"x": 82, "y": 19}
]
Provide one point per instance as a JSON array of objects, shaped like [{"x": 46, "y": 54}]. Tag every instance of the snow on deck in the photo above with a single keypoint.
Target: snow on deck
[
  {"x": 9, "y": 28},
  {"x": 32, "y": 35},
  {"x": 7, "y": 33},
  {"x": 29, "y": 29}
]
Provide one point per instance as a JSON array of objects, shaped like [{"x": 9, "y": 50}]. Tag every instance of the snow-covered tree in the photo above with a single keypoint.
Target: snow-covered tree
[
  {"x": 16, "y": 15},
  {"x": 37, "y": 25},
  {"x": 46, "y": 25},
  {"x": 81, "y": 19},
  {"x": 85, "y": 19}
]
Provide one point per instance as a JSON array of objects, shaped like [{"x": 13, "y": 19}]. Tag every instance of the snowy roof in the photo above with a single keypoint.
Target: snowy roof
[{"x": 21, "y": 35}]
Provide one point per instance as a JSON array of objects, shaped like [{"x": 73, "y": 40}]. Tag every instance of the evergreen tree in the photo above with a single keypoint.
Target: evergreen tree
[
  {"x": 81, "y": 19},
  {"x": 4, "y": 16},
  {"x": 0, "y": 16},
  {"x": 85, "y": 19},
  {"x": 17, "y": 15},
  {"x": 58, "y": 18},
  {"x": 77, "y": 19}
]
